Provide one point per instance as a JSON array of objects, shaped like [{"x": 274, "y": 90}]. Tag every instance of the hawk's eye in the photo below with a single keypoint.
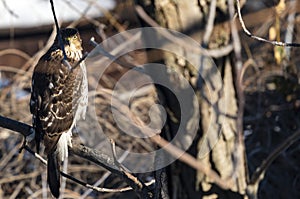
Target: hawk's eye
[{"x": 75, "y": 37}]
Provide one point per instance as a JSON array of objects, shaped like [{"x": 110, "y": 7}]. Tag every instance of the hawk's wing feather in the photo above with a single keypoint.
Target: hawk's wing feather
[{"x": 53, "y": 100}]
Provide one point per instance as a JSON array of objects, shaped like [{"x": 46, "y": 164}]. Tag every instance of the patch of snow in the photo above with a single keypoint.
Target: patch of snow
[{"x": 34, "y": 13}]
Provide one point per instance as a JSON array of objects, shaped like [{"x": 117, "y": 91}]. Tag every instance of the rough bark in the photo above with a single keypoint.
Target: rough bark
[{"x": 215, "y": 143}]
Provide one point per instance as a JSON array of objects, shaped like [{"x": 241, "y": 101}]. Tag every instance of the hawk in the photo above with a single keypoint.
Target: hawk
[{"x": 58, "y": 99}]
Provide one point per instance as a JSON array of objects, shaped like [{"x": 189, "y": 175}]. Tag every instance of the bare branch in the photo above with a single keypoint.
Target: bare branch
[
  {"x": 108, "y": 163},
  {"x": 240, "y": 146},
  {"x": 222, "y": 51},
  {"x": 98, "y": 49},
  {"x": 249, "y": 34},
  {"x": 58, "y": 31},
  {"x": 82, "y": 151},
  {"x": 80, "y": 61},
  {"x": 257, "y": 175},
  {"x": 9, "y": 10},
  {"x": 172, "y": 149},
  {"x": 210, "y": 22},
  {"x": 16, "y": 126}
]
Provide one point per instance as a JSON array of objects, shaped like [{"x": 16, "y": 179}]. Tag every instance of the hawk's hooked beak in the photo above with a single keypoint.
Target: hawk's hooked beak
[{"x": 68, "y": 40}]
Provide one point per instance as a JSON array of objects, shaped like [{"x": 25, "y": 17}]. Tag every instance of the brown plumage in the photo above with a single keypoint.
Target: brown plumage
[{"x": 58, "y": 100}]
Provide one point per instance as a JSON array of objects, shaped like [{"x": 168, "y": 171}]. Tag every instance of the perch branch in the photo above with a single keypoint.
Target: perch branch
[{"x": 82, "y": 151}]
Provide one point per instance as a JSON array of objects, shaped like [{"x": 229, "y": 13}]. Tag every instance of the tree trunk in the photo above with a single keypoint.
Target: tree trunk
[{"x": 216, "y": 141}]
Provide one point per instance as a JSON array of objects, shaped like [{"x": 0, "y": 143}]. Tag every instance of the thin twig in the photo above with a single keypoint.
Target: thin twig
[
  {"x": 112, "y": 20},
  {"x": 83, "y": 15},
  {"x": 5, "y": 159},
  {"x": 220, "y": 52},
  {"x": 114, "y": 153},
  {"x": 12, "y": 69},
  {"x": 210, "y": 22},
  {"x": 15, "y": 51},
  {"x": 98, "y": 49},
  {"x": 86, "y": 54},
  {"x": 17, "y": 190},
  {"x": 20, "y": 177},
  {"x": 139, "y": 183},
  {"x": 22, "y": 79},
  {"x": 58, "y": 31},
  {"x": 36, "y": 155},
  {"x": 9, "y": 10},
  {"x": 104, "y": 177},
  {"x": 256, "y": 176},
  {"x": 249, "y": 34}
]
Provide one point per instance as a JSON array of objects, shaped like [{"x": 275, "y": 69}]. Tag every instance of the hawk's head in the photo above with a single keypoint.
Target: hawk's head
[{"x": 71, "y": 38}]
